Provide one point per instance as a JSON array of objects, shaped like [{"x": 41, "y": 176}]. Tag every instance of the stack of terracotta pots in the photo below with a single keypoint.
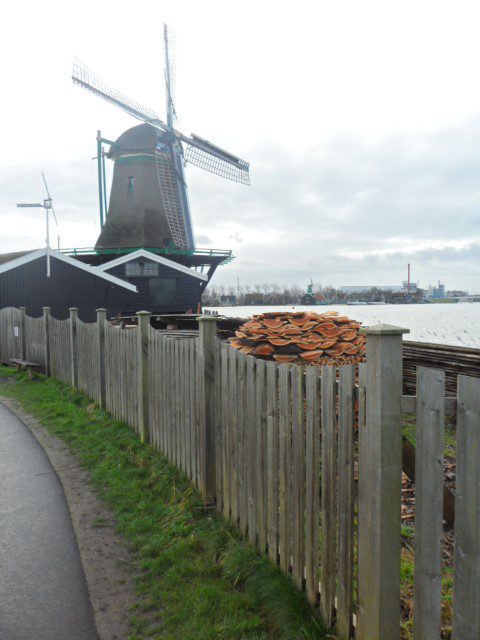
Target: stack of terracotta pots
[{"x": 303, "y": 338}]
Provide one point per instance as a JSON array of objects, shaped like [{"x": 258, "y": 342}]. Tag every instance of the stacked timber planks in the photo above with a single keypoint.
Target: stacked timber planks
[{"x": 451, "y": 359}]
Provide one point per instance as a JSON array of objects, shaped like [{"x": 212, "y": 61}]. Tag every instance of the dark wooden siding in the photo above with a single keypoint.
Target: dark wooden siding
[
  {"x": 68, "y": 286},
  {"x": 189, "y": 290}
]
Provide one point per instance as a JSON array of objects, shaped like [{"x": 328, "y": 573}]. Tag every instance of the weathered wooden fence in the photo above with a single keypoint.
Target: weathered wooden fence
[{"x": 280, "y": 450}]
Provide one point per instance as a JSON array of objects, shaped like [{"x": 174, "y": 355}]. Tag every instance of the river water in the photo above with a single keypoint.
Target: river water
[{"x": 454, "y": 324}]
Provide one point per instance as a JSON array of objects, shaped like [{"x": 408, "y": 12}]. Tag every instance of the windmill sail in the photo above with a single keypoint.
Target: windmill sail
[
  {"x": 171, "y": 198},
  {"x": 208, "y": 156},
  {"x": 86, "y": 78},
  {"x": 170, "y": 75}
]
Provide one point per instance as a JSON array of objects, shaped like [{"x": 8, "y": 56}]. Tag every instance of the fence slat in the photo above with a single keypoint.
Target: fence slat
[
  {"x": 312, "y": 513},
  {"x": 232, "y": 432},
  {"x": 241, "y": 421},
  {"x": 329, "y": 491},
  {"x": 225, "y": 430},
  {"x": 218, "y": 425},
  {"x": 285, "y": 485},
  {"x": 272, "y": 460},
  {"x": 346, "y": 418},
  {"x": 298, "y": 475},
  {"x": 429, "y": 503},
  {"x": 466, "y": 621},
  {"x": 250, "y": 449},
  {"x": 260, "y": 455}
]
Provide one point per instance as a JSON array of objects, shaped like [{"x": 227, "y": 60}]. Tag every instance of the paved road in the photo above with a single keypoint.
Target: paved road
[{"x": 43, "y": 593}]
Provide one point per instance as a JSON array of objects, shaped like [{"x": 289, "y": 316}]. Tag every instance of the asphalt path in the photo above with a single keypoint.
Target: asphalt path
[{"x": 43, "y": 593}]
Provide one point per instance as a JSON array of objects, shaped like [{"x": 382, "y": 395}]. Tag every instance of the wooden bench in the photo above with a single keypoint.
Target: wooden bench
[{"x": 26, "y": 365}]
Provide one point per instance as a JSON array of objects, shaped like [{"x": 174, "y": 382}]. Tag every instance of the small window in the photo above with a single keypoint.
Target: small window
[
  {"x": 131, "y": 182},
  {"x": 141, "y": 268},
  {"x": 163, "y": 291}
]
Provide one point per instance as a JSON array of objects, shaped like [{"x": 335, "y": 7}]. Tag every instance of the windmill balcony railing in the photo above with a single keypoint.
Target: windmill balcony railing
[{"x": 220, "y": 253}]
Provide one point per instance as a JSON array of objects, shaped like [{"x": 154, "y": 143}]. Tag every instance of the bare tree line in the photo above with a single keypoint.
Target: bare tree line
[{"x": 268, "y": 293}]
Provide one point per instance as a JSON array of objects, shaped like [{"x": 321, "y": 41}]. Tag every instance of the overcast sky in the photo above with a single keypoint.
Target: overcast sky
[{"x": 361, "y": 121}]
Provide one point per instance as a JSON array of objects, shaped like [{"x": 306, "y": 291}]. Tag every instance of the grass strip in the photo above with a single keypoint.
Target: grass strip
[{"x": 196, "y": 577}]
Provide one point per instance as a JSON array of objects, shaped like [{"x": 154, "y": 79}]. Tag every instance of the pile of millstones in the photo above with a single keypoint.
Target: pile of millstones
[{"x": 302, "y": 338}]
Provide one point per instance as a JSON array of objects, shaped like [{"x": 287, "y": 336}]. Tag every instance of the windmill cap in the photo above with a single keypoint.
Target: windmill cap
[{"x": 143, "y": 138}]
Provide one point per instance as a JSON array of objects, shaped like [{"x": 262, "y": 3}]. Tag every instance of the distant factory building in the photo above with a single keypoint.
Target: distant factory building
[{"x": 438, "y": 292}]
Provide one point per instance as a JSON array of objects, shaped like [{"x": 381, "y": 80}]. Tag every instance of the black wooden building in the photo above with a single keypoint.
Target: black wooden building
[
  {"x": 163, "y": 286},
  {"x": 24, "y": 283}
]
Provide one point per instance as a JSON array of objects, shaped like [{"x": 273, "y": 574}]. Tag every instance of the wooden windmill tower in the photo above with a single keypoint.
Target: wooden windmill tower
[{"x": 149, "y": 204}]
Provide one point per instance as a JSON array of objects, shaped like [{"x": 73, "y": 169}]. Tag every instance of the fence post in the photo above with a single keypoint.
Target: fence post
[
  {"x": 73, "y": 347},
  {"x": 46, "y": 338},
  {"x": 380, "y": 487},
  {"x": 143, "y": 386},
  {"x": 208, "y": 331},
  {"x": 23, "y": 344},
  {"x": 101, "y": 322}
]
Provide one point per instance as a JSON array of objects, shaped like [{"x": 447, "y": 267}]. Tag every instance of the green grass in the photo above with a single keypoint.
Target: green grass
[
  {"x": 195, "y": 577},
  {"x": 410, "y": 431}
]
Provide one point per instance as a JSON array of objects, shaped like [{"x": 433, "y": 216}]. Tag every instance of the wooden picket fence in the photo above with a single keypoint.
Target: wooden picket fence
[{"x": 306, "y": 461}]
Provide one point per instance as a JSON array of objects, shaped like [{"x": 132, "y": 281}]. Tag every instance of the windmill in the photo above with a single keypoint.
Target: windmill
[{"x": 158, "y": 150}]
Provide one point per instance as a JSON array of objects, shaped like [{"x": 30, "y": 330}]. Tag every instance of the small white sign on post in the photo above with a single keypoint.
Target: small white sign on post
[{"x": 15, "y": 331}]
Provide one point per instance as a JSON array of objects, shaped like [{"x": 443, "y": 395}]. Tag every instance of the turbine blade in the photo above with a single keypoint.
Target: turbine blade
[
  {"x": 84, "y": 77},
  {"x": 46, "y": 186},
  {"x": 50, "y": 198},
  {"x": 209, "y": 157}
]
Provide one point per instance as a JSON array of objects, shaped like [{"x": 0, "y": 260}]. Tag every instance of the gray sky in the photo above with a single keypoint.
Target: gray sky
[{"x": 361, "y": 122}]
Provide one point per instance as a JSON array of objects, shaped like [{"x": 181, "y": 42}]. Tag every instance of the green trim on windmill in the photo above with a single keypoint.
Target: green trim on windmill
[{"x": 134, "y": 158}]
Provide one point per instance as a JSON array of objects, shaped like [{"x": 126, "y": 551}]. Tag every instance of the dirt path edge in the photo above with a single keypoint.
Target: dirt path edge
[{"x": 107, "y": 563}]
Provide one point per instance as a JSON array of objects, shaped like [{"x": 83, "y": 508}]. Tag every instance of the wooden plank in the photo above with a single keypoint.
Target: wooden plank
[
  {"x": 241, "y": 419},
  {"x": 225, "y": 431},
  {"x": 466, "y": 621},
  {"x": 428, "y": 504},
  {"x": 233, "y": 432},
  {"x": 272, "y": 460},
  {"x": 164, "y": 383},
  {"x": 379, "y": 575},
  {"x": 346, "y": 418},
  {"x": 298, "y": 474},
  {"x": 285, "y": 486},
  {"x": 218, "y": 426},
  {"x": 250, "y": 442},
  {"x": 329, "y": 492},
  {"x": 260, "y": 453},
  {"x": 312, "y": 511},
  {"x": 169, "y": 397},
  {"x": 364, "y": 481},
  {"x": 193, "y": 383},
  {"x": 188, "y": 408}
]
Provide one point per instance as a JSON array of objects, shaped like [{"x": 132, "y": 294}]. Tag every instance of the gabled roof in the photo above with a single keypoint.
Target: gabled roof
[
  {"x": 7, "y": 257},
  {"x": 24, "y": 258},
  {"x": 142, "y": 253}
]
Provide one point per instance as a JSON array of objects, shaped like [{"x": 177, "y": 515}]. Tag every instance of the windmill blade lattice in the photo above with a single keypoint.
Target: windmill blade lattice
[
  {"x": 168, "y": 183},
  {"x": 209, "y": 157},
  {"x": 170, "y": 69},
  {"x": 87, "y": 79}
]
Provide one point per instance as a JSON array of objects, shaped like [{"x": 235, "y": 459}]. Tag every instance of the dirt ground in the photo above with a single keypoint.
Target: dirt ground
[{"x": 107, "y": 563}]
